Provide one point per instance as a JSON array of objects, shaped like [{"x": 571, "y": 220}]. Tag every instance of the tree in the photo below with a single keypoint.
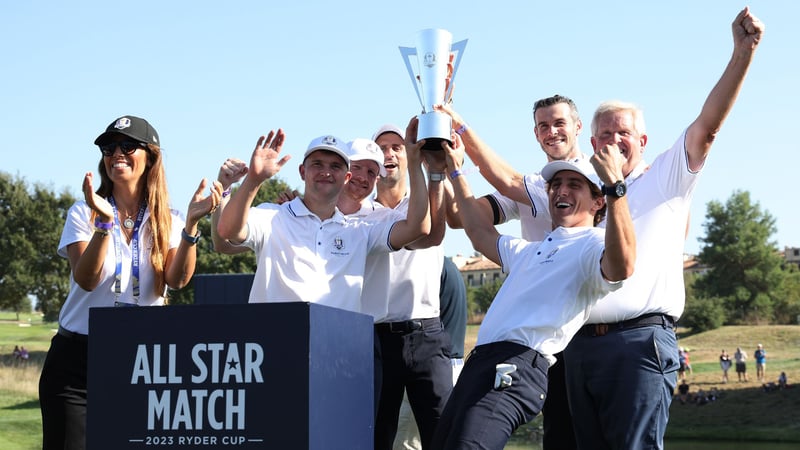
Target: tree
[
  {"x": 50, "y": 271},
  {"x": 786, "y": 309},
  {"x": 30, "y": 229},
  {"x": 745, "y": 266},
  {"x": 480, "y": 298},
  {"x": 210, "y": 261},
  {"x": 16, "y": 248},
  {"x": 701, "y": 313}
]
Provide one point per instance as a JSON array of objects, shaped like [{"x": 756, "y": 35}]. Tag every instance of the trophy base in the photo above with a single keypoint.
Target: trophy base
[
  {"x": 434, "y": 127},
  {"x": 434, "y": 143}
]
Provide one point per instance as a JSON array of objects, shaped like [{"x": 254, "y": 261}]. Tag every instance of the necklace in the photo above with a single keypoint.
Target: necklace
[{"x": 128, "y": 223}]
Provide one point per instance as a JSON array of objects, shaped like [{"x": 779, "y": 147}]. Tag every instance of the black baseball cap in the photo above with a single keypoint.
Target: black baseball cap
[{"x": 131, "y": 126}]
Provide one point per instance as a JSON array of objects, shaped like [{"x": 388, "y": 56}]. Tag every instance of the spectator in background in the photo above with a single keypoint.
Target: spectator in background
[
  {"x": 724, "y": 364},
  {"x": 760, "y": 356},
  {"x": 740, "y": 358},
  {"x": 683, "y": 392},
  {"x": 683, "y": 360}
]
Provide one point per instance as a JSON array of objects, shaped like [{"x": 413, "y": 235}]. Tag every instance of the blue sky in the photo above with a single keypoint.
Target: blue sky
[{"x": 213, "y": 76}]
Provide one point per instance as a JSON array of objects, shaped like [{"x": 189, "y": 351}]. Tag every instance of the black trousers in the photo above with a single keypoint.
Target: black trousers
[
  {"x": 62, "y": 394},
  {"x": 480, "y": 416},
  {"x": 557, "y": 420},
  {"x": 417, "y": 362}
]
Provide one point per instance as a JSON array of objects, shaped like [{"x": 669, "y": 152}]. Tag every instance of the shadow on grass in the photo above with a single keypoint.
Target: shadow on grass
[{"x": 31, "y": 404}]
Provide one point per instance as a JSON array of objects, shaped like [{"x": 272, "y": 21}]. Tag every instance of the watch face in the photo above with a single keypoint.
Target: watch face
[{"x": 617, "y": 190}]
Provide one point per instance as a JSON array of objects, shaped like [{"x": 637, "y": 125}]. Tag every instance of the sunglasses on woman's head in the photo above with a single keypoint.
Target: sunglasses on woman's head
[{"x": 127, "y": 147}]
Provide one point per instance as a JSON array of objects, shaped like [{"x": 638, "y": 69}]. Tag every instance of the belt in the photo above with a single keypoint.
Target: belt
[
  {"x": 72, "y": 335},
  {"x": 600, "y": 329},
  {"x": 409, "y": 326}
]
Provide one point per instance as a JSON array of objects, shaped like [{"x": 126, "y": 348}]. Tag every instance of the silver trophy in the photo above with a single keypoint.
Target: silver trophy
[{"x": 430, "y": 81}]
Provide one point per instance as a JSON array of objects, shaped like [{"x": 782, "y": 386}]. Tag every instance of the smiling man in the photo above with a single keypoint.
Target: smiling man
[
  {"x": 306, "y": 249},
  {"x": 620, "y": 368},
  {"x": 550, "y": 288}
]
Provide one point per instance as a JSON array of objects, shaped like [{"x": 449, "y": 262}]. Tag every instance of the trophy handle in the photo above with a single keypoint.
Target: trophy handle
[
  {"x": 411, "y": 51},
  {"x": 457, "y": 47}
]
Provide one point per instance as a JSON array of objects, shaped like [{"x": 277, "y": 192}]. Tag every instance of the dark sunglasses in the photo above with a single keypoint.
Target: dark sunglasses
[{"x": 127, "y": 147}]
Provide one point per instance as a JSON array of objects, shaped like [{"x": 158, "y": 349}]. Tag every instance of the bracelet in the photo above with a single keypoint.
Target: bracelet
[
  {"x": 189, "y": 238},
  {"x": 462, "y": 129},
  {"x": 101, "y": 231},
  {"x": 226, "y": 192},
  {"x": 455, "y": 174},
  {"x": 106, "y": 226}
]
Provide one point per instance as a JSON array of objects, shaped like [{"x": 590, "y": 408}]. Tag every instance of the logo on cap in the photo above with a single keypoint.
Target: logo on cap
[
  {"x": 373, "y": 148},
  {"x": 329, "y": 140},
  {"x": 122, "y": 123}
]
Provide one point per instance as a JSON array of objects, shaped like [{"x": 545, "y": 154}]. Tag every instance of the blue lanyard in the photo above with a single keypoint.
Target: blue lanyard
[{"x": 134, "y": 252}]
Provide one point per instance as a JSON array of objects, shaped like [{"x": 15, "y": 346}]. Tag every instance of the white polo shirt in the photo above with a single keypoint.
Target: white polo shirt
[
  {"x": 74, "y": 315},
  {"x": 302, "y": 258},
  {"x": 404, "y": 284},
  {"x": 550, "y": 289},
  {"x": 373, "y": 211},
  {"x": 659, "y": 199}
]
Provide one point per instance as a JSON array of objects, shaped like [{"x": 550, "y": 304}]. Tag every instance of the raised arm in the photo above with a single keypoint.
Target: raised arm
[
  {"x": 477, "y": 224},
  {"x": 264, "y": 164},
  {"x": 231, "y": 171},
  {"x": 747, "y": 32},
  {"x": 620, "y": 240},
  {"x": 86, "y": 259},
  {"x": 181, "y": 261},
  {"x": 437, "y": 192},
  {"x": 418, "y": 219},
  {"x": 501, "y": 175}
]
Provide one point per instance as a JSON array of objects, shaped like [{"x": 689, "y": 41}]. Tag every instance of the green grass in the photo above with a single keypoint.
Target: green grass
[
  {"x": 743, "y": 410},
  {"x": 20, "y": 419}
]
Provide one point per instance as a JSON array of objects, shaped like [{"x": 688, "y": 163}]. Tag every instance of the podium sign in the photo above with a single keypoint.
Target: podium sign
[{"x": 269, "y": 375}]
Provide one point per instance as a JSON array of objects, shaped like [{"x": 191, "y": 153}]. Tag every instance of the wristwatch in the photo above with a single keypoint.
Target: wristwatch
[
  {"x": 437, "y": 176},
  {"x": 189, "y": 238},
  {"x": 618, "y": 189}
]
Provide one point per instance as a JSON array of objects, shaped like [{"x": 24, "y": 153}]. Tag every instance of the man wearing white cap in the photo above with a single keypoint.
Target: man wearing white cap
[
  {"x": 366, "y": 165},
  {"x": 550, "y": 288},
  {"x": 415, "y": 349},
  {"x": 557, "y": 126},
  {"x": 330, "y": 272}
]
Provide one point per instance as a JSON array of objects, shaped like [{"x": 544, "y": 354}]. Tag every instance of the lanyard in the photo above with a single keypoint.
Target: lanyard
[{"x": 134, "y": 252}]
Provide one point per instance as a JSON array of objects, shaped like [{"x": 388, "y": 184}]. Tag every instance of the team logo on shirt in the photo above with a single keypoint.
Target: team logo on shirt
[
  {"x": 338, "y": 243},
  {"x": 549, "y": 257}
]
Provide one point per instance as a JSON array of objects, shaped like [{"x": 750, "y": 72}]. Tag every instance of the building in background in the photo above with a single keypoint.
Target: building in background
[{"x": 477, "y": 270}]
